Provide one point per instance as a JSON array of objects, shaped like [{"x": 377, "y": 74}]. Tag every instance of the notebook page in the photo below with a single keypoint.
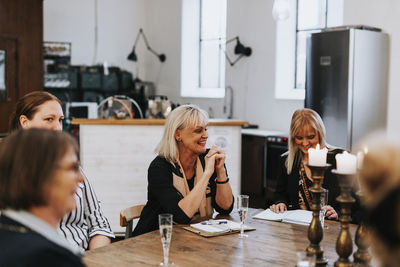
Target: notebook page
[
  {"x": 299, "y": 216},
  {"x": 269, "y": 215}
]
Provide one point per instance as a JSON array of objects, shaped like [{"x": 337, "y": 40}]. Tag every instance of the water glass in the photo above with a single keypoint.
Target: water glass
[
  {"x": 165, "y": 224},
  {"x": 324, "y": 202},
  {"x": 242, "y": 202},
  {"x": 305, "y": 260}
]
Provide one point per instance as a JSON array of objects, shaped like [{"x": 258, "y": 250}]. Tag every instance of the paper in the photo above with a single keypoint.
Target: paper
[
  {"x": 302, "y": 217},
  {"x": 218, "y": 226}
]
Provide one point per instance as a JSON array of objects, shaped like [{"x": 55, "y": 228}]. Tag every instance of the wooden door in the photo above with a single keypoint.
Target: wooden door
[{"x": 21, "y": 37}]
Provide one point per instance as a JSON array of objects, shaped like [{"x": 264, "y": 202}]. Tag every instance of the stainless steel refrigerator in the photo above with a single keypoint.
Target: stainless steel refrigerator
[{"x": 346, "y": 82}]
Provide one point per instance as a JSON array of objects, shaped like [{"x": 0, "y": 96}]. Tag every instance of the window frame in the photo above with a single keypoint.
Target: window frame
[
  {"x": 286, "y": 49},
  {"x": 190, "y": 55}
]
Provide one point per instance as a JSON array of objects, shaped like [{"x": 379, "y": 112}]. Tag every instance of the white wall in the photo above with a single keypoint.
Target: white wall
[
  {"x": 383, "y": 14},
  {"x": 251, "y": 78},
  {"x": 74, "y": 21}
]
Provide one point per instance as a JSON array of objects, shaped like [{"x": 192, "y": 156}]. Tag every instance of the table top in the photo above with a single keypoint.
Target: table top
[{"x": 271, "y": 244}]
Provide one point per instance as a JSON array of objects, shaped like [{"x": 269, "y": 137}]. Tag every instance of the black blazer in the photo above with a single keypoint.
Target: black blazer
[
  {"x": 288, "y": 184},
  {"x": 23, "y": 249},
  {"x": 163, "y": 197}
]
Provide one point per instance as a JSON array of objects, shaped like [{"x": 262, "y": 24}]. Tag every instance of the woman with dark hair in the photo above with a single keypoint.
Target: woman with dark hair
[
  {"x": 85, "y": 226},
  {"x": 39, "y": 175},
  {"x": 185, "y": 179},
  {"x": 306, "y": 131},
  {"x": 34, "y": 106}
]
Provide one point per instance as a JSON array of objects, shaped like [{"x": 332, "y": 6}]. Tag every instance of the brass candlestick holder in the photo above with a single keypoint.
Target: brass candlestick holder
[
  {"x": 344, "y": 243},
  {"x": 362, "y": 256},
  {"x": 315, "y": 231}
]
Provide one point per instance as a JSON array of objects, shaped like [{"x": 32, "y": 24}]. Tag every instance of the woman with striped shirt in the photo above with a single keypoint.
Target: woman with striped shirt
[{"x": 86, "y": 226}]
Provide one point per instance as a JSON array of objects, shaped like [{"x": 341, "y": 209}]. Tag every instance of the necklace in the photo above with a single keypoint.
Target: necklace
[{"x": 14, "y": 228}]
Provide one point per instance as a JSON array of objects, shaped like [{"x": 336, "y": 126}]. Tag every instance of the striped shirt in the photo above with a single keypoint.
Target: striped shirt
[{"x": 87, "y": 220}]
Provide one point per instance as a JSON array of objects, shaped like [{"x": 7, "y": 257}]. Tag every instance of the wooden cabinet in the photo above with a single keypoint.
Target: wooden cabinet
[{"x": 21, "y": 37}]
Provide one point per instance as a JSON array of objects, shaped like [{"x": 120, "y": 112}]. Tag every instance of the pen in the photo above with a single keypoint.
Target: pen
[{"x": 214, "y": 222}]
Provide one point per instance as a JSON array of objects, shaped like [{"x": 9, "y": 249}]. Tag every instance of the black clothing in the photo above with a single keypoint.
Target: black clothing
[
  {"x": 288, "y": 184},
  {"x": 191, "y": 183},
  {"x": 384, "y": 218},
  {"x": 163, "y": 197},
  {"x": 22, "y": 247}
]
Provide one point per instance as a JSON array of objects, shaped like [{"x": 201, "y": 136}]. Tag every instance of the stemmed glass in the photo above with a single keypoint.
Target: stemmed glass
[
  {"x": 165, "y": 223},
  {"x": 242, "y": 202},
  {"x": 324, "y": 202}
]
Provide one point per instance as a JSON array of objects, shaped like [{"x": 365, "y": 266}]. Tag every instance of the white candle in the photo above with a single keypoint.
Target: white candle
[
  {"x": 346, "y": 163},
  {"x": 317, "y": 157}
]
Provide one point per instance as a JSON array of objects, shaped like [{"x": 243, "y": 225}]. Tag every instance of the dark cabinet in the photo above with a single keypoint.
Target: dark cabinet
[{"x": 260, "y": 161}]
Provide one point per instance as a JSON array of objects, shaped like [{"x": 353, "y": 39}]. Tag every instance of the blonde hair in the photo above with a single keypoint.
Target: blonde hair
[
  {"x": 178, "y": 119},
  {"x": 300, "y": 119}
]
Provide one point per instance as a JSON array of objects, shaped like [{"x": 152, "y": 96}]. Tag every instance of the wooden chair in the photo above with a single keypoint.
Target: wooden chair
[{"x": 126, "y": 217}]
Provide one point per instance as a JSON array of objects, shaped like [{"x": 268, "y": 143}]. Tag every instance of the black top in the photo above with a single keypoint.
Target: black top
[
  {"x": 28, "y": 248},
  {"x": 163, "y": 197},
  {"x": 288, "y": 184},
  {"x": 384, "y": 219}
]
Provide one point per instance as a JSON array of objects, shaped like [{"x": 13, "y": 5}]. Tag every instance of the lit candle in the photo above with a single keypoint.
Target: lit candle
[
  {"x": 346, "y": 163},
  {"x": 317, "y": 156}
]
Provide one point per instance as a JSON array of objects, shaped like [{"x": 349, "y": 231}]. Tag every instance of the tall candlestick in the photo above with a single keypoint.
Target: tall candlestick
[
  {"x": 346, "y": 163},
  {"x": 317, "y": 156}
]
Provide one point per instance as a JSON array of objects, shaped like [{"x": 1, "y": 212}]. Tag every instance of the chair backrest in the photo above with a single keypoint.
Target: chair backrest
[{"x": 126, "y": 217}]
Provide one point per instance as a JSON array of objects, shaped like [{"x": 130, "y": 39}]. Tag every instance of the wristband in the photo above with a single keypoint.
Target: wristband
[{"x": 223, "y": 182}]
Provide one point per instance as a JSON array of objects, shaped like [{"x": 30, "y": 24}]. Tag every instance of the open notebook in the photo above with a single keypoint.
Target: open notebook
[
  {"x": 216, "y": 227},
  {"x": 302, "y": 217}
]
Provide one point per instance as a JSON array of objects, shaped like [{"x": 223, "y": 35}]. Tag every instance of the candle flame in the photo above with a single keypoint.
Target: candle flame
[
  {"x": 365, "y": 150},
  {"x": 317, "y": 148}
]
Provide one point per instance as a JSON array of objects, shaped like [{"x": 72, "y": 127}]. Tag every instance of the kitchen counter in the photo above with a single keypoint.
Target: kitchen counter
[
  {"x": 264, "y": 133},
  {"x": 150, "y": 122},
  {"x": 115, "y": 156}
]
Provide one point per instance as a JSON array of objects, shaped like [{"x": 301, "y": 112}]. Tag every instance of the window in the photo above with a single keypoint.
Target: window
[
  {"x": 306, "y": 17},
  {"x": 203, "y": 44}
]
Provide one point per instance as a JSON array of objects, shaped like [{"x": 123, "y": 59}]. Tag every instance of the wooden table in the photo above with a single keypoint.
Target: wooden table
[{"x": 271, "y": 244}]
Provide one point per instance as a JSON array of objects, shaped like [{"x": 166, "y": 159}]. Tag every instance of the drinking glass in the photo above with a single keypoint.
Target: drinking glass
[
  {"x": 242, "y": 202},
  {"x": 305, "y": 260},
  {"x": 165, "y": 223},
  {"x": 324, "y": 202}
]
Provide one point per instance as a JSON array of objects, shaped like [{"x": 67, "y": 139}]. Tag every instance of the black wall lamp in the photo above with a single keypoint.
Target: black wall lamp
[
  {"x": 132, "y": 56},
  {"x": 240, "y": 50}
]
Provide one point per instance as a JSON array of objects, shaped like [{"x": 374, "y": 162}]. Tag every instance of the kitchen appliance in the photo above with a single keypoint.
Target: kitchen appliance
[
  {"x": 81, "y": 110},
  {"x": 346, "y": 81},
  {"x": 159, "y": 107},
  {"x": 119, "y": 107},
  {"x": 261, "y": 153}
]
